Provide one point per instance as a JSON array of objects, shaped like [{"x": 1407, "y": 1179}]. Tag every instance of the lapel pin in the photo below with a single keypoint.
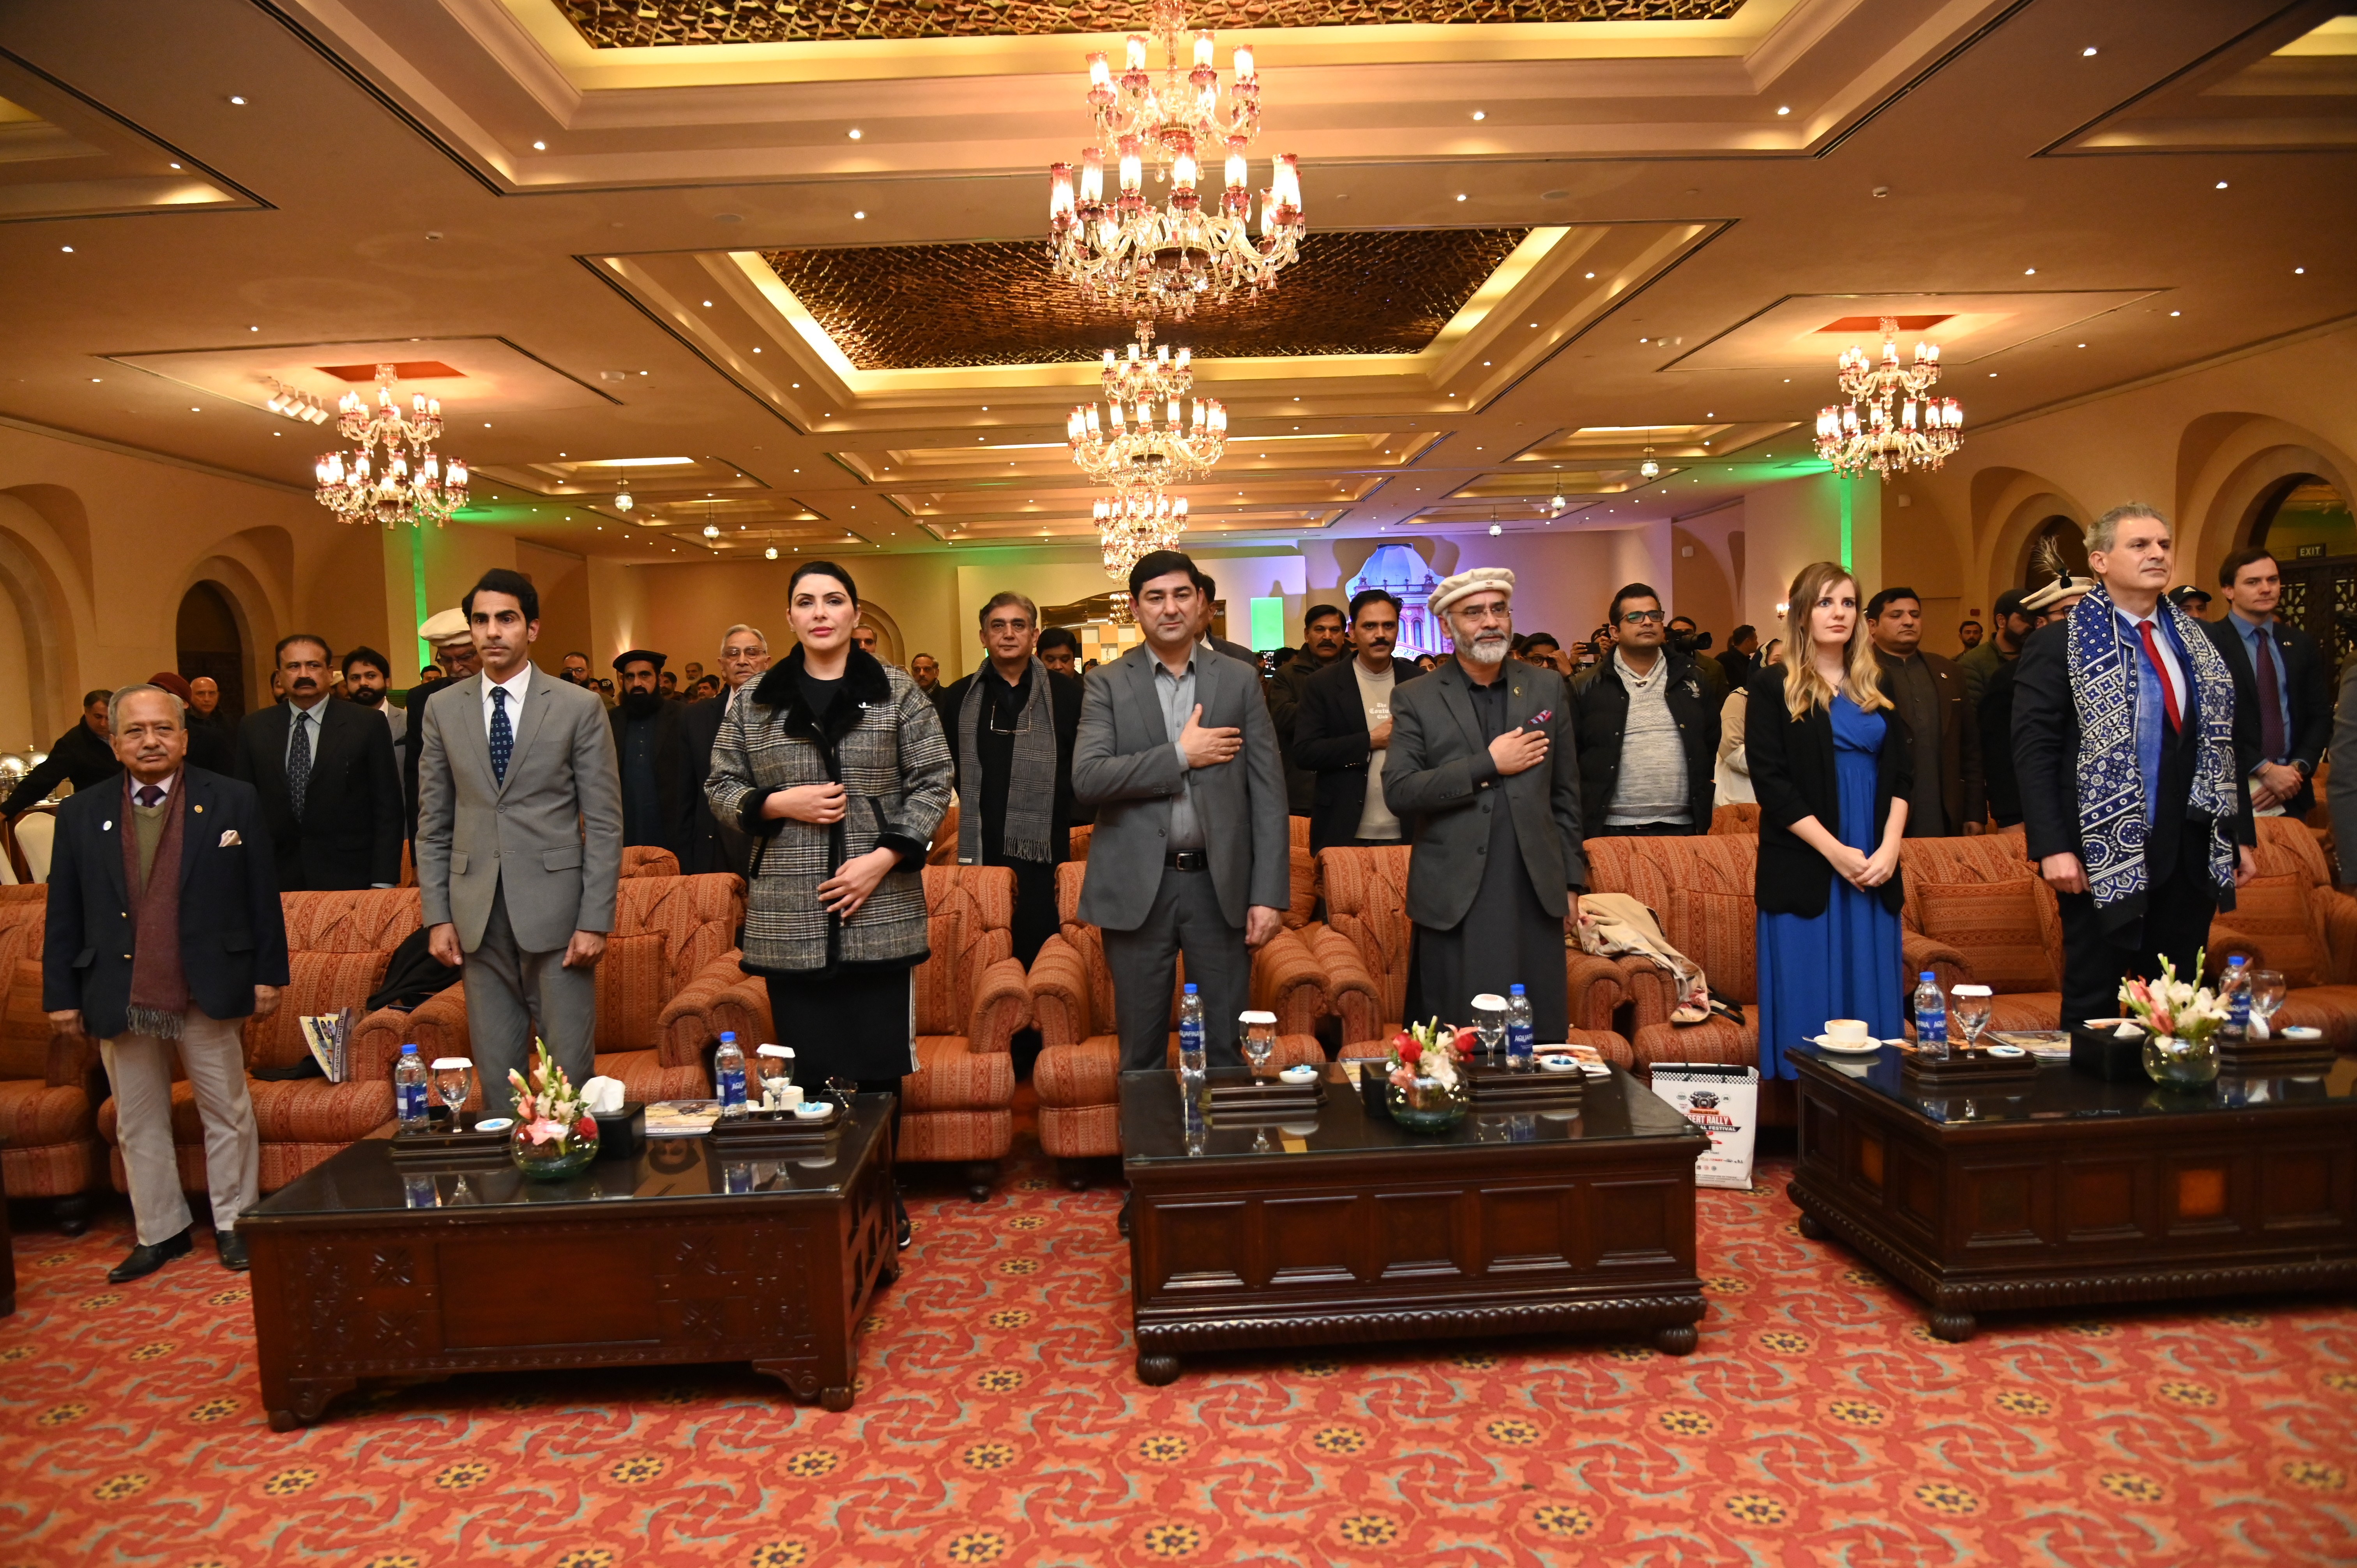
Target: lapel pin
[
  {"x": 199, "y": 810},
  {"x": 107, "y": 826}
]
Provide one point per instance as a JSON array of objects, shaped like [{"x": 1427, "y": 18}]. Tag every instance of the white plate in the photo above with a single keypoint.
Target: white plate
[
  {"x": 2300, "y": 1032},
  {"x": 1303, "y": 1074},
  {"x": 496, "y": 1124},
  {"x": 1558, "y": 1064},
  {"x": 1845, "y": 1048}
]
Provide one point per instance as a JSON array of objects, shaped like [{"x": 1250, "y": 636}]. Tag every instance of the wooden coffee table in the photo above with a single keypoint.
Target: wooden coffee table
[
  {"x": 1350, "y": 1229},
  {"x": 2066, "y": 1190},
  {"x": 363, "y": 1271}
]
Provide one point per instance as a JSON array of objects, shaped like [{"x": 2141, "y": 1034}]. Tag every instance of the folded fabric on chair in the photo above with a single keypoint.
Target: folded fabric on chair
[
  {"x": 1614, "y": 923},
  {"x": 412, "y": 975}
]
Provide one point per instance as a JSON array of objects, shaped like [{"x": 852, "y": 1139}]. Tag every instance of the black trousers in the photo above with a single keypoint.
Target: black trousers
[
  {"x": 2175, "y": 926},
  {"x": 1649, "y": 831}
]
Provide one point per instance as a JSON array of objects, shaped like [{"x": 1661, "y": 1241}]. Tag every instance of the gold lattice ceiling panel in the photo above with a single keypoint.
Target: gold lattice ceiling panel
[
  {"x": 906, "y": 308},
  {"x": 637, "y": 24}
]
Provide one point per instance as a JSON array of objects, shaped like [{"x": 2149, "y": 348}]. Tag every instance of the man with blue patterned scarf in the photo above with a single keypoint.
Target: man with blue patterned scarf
[{"x": 2135, "y": 809}]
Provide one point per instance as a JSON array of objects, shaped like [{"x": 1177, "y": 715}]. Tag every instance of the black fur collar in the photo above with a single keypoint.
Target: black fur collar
[{"x": 864, "y": 682}]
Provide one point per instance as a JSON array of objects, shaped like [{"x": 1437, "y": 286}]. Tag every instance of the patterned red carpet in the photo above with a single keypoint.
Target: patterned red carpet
[{"x": 997, "y": 1422}]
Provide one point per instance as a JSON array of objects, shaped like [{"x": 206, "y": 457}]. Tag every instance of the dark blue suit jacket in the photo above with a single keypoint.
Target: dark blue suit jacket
[{"x": 232, "y": 931}]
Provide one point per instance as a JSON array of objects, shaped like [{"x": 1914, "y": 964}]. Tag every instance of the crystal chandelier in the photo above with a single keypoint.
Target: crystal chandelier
[
  {"x": 1866, "y": 433},
  {"x": 1148, "y": 260},
  {"x": 1132, "y": 525},
  {"x": 408, "y": 480},
  {"x": 1127, "y": 451}
]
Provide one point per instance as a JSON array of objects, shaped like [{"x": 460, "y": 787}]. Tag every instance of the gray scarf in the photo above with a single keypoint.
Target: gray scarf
[{"x": 1032, "y": 781}]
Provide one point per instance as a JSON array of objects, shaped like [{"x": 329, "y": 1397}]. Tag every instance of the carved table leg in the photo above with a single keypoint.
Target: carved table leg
[
  {"x": 1812, "y": 1228},
  {"x": 1953, "y": 1324},
  {"x": 306, "y": 1400},
  {"x": 1676, "y": 1339},
  {"x": 835, "y": 1398},
  {"x": 1153, "y": 1370}
]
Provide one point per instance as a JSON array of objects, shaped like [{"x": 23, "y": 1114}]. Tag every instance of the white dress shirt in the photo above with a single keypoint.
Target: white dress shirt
[{"x": 515, "y": 687}]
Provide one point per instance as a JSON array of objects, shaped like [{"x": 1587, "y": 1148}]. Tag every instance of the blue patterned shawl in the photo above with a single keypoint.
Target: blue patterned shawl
[{"x": 2112, "y": 819}]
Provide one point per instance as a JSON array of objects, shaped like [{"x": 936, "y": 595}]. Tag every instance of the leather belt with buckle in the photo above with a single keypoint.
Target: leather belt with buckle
[{"x": 1188, "y": 860}]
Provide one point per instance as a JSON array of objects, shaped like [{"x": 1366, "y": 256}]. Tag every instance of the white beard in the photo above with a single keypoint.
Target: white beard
[{"x": 1488, "y": 652}]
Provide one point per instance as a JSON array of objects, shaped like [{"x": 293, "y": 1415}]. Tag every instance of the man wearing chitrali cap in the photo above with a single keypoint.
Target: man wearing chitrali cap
[
  {"x": 454, "y": 649},
  {"x": 1484, "y": 764},
  {"x": 653, "y": 757}
]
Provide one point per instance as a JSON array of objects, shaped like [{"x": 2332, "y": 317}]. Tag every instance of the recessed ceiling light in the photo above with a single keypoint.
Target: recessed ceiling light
[
  {"x": 854, "y": 132},
  {"x": 176, "y": 166},
  {"x": 67, "y": 248},
  {"x": 1460, "y": 196},
  {"x": 95, "y": 379},
  {"x": 238, "y": 100},
  {"x": 539, "y": 147},
  {"x": 2222, "y": 185},
  {"x": 194, "y": 409},
  {"x": 1784, "y": 109},
  {"x": 2087, "y": 53},
  {"x": 2173, "y": 313},
  {"x": 2296, "y": 271},
  {"x": 1591, "y": 274},
  {"x": 1477, "y": 114},
  {"x": 707, "y": 305},
  {"x": 859, "y": 215},
  {"x": 2029, "y": 271}
]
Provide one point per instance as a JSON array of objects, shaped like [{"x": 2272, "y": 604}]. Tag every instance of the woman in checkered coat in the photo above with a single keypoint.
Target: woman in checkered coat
[{"x": 836, "y": 768}]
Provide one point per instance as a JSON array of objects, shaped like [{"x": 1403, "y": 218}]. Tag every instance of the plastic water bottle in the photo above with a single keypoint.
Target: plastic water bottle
[
  {"x": 1194, "y": 1064},
  {"x": 728, "y": 1075},
  {"x": 1520, "y": 1040},
  {"x": 409, "y": 1089},
  {"x": 1930, "y": 1016},
  {"x": 2235, "y": 991}
]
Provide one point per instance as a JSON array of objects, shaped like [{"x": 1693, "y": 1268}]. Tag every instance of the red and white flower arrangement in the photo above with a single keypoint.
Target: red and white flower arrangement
[
  {"x": 2173, "y": 1008},
  {"x": 1431, "y": 1052},
  {"x": 548, "y": 1109}
]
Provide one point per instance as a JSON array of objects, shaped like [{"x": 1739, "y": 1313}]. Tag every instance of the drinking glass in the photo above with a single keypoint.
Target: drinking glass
[
  {"x": 1260, "y": 1040},
  {"x": 841, "y": 1089},
  {"x": 1969, "y": 1006},
  {"x": 1489, "y": 1024},
  {"x": 2266, "y": 995},
  {"x": 453, "y": 1083}
]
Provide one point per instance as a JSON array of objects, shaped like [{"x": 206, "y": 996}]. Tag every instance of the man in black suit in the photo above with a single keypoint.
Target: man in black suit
[
  {"x": 324, "y": 768},
  {"x": 1342, "y": 730},
  {"x": 1951, "y": 796},
  {"x": 164, "y": 933},
  {"x": 83, "y": 756},
  {"x": 2283, "y": 706},
  {"x": 2131, "y": 794},
  {"x": 712, "y": 844},
  {"x": 653, "y": 754}
]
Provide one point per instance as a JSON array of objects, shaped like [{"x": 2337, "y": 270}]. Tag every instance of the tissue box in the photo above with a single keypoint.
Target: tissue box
[
  {"x": 621, "y": 1134},
  {"x": 2105, "y": 1056}
]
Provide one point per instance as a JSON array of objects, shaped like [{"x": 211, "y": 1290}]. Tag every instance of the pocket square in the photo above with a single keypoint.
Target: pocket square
[{"x": 229, "y": 839}]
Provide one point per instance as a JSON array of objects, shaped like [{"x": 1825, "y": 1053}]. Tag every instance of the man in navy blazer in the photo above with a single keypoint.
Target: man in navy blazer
[
  {"x": 2283, "y": 708},
  {"x": 166, "y": 852}
]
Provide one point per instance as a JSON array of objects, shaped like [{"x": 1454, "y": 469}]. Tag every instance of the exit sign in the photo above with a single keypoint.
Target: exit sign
[{"x": 2310, "y": 551}]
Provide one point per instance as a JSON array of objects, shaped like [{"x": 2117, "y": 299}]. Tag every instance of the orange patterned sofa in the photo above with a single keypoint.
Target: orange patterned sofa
[
  {"x": 47, "y": 1080},
  {"x": 2290, "y": 918},
  {"x": 672, "y": 948},
  {"x": 1079, "y": 1070},
  {"x": 1364, "y": 948},
  {"x": 971, "y": 998},
  {"x": 1977, "y": 912}
]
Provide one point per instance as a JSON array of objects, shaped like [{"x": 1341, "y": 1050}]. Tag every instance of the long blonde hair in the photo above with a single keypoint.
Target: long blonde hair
[{"x": 1804, "y": 688}]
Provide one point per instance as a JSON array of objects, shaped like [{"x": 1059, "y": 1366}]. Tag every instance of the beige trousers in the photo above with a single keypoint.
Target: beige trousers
[{"x": 139, "y": 1069}]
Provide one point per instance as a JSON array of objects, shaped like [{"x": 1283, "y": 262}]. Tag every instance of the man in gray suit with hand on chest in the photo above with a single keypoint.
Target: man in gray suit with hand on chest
[
  {"x": 1191, "y": 852},
  {"x": 519, "y": 843}
]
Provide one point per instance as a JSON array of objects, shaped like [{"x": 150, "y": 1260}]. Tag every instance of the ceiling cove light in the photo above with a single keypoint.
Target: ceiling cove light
[{"x": 1126, "y": 254}]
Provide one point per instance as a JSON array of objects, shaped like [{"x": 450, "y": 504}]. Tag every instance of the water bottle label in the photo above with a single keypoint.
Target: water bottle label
[
  {"x": 1519, "y": 1041},
  {"x": 412, "y": 1101},
  {"x": 1190, "y": 1038},
  {"x": 732, "y": 1087},
  {"x": 1931, "y": 1029}
]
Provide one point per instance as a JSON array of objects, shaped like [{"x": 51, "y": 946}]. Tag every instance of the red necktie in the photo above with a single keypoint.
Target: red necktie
[
  {"x": 2168, "y": 689},
  {"x": 2271, "y": 725}
]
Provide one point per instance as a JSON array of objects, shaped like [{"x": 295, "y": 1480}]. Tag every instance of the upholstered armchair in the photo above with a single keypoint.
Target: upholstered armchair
[
  {"x": 48, "y": 1080},
  {"x": 2290, "y": 918},
  {"x": 1079, "y": 1070},
  {"x": 971, "y": 999},
  {"x": 1735, "y": 817},
  {"x": 1363, "y": 947},
  {"x": 1977, "y": 912},
  {"x": 1700, "y": 891}
]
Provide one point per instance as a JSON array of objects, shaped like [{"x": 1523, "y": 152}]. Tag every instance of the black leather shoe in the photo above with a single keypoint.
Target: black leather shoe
[
  {"x": 903, "y": 1233},
  {"x": 146, "y": 1260},
  {"x": 231, "y": 1247},
  {"x": 1121, "y": 1222}
]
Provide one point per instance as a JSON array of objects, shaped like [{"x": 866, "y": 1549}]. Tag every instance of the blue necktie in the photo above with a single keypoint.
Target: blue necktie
[
  {"x": 502, "y": 737},
  {"x": 298, "y": 765}
]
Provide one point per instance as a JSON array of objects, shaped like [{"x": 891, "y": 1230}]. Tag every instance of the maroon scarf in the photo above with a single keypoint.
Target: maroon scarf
[{"x": 159, "y": 989}]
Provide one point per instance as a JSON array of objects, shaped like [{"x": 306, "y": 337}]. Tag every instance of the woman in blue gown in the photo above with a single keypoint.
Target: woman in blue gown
[{"x": 1830, "y": 762}]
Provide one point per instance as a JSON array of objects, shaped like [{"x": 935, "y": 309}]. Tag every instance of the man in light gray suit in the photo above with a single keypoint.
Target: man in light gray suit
[
  {"x": 519, "y": 843},
  {"x": 1189, "y": 854},
  {"x": 1484, "y": 764}
]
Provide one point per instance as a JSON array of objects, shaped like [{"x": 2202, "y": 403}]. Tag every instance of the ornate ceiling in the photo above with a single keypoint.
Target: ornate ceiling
[
  {"x": 635, "y": 24},
  {"x": 901, "y": 307}
]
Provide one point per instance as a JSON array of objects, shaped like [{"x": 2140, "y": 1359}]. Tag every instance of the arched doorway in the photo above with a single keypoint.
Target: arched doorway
[
  {"x": 2306, "y": 522},
  {"x": 2058, "y": 544},
  {"x": 210, "y": 644}
]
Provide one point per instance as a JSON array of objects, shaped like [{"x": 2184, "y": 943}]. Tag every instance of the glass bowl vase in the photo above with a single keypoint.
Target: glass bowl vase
[
  {"x": 565, "y": 1155},
  {"x": 2175, "y": 1063},
  {"x": 1428, "y": 1106}
]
